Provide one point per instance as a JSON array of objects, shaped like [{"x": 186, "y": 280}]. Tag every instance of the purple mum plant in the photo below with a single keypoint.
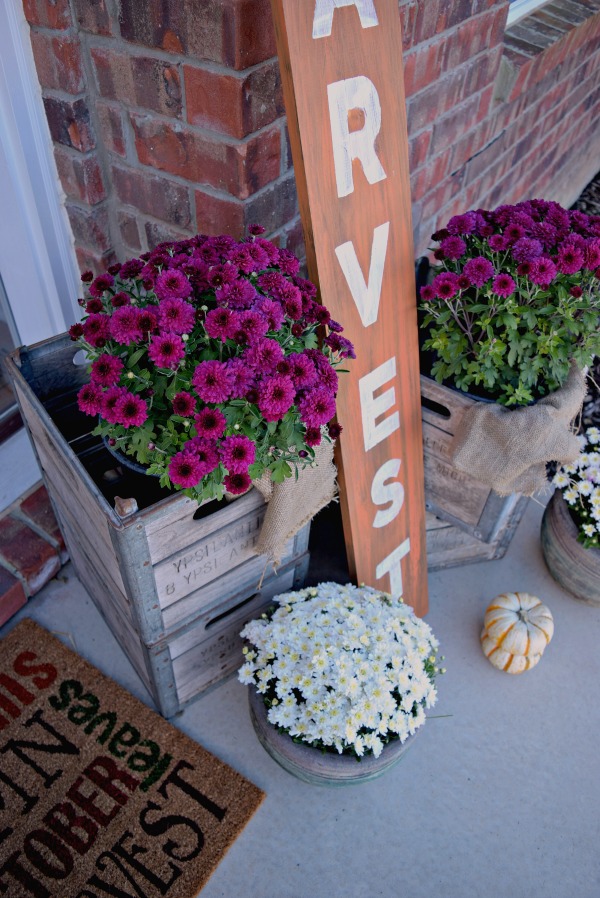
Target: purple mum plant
[
  {"x": 515, "y": 299},
  {"x": 206, "y": 365}
]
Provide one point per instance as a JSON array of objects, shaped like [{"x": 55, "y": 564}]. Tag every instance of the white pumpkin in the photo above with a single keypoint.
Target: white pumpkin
[
  {"x": 503, "y": 660},
  {"x": 519, "y": 624}
]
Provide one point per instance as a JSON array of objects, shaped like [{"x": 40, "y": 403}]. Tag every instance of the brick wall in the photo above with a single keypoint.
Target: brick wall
[{"x": 167, "y": 117}]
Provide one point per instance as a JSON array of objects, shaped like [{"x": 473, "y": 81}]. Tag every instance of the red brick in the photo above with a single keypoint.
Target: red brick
[
  {"x": 69, "y": 122},
  {"x": 130, "y": 235},
  {"x": 93, "y": 16},
  {"x": 417, "y": 149},
  {"x": 431, "y": 175},
  {"x": 153, "y": 195},
  {"x": 219, "y": 215},
  {"x": 138, "y": 81},
  {"x": 274, "y": 206},
  {"x": 408, "y": 14},
  {"x": 88, "y": 260},
  {"x": 12, "y": 595},
  {"x": 58, "y": 62},
  {"x": 90, "y": 226},
  {"x": 37, "y": 509},
  {"x": 158, "y": 233},
  {"x": 80, "y": 176},
  {"x": 237, "y": 33},
  {"x": 240, "y": 169},
  {"x": 233, "y": 105},
  {"x": 48, "y": 13},
  {"x": 294, "y": 239},
  {"x": 111, "y": 127},
  {"x": 32, "y": 557}
]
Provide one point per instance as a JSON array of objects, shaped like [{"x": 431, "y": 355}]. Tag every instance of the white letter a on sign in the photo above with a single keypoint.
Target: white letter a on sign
[
  {"x": 366, "y": 296},
  {"x": 324, "y": 9}
]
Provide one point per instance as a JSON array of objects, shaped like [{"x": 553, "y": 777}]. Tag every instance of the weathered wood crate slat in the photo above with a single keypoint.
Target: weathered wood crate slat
[
  {"x": 467, "y": 504},
  {"x": 174, "y": 582}
]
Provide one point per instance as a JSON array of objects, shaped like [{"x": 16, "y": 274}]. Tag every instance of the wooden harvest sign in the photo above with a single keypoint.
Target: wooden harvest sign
[{"x": 341, "y": 64}]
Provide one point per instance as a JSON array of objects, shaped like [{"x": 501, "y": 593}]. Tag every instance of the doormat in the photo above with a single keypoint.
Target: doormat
[{"x": 99, "y": 796}]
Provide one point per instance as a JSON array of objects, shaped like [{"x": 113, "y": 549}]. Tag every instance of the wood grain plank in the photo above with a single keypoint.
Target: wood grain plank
[{"x": 315, "y": 71}]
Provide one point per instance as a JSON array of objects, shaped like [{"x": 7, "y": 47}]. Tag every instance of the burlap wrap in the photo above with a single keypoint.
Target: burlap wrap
[
  {"x": 293, "y": 503},
  {"x": 507, "y": 449}
]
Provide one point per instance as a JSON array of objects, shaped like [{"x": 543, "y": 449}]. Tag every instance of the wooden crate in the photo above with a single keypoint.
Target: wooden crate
[
  {"x": 175, "y": 583},
  {"x": 460, "y": 500}
]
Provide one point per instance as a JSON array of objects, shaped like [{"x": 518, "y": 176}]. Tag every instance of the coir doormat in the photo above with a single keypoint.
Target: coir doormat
[{"x": 99, "y": 796}]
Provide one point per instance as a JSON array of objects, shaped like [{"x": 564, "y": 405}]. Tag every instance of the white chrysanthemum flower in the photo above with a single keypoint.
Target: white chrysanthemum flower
[
  {"x": 589, "y": 529},
  {"x": 560, "y": 480},
  {"x": 342, "y": 666}
]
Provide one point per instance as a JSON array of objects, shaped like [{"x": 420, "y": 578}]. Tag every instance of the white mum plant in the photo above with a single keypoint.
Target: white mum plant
[
  {"x": 342, "y": 668},
  {"x": 580, "y": 485}
]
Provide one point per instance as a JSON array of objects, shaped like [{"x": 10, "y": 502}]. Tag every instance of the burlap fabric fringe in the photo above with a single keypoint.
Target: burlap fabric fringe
[
  {"x": 293, "y": 503},
  {"x": 507, "y": 449}
]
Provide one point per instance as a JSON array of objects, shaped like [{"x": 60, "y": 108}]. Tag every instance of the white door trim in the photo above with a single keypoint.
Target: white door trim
[{"x": 37, "y": 258}]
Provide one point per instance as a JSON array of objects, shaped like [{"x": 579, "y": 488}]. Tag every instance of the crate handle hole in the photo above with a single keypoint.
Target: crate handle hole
[
  {"x": 230, "y": 611},
  {"x": 80, "y": 358},
  {"x": 432, "y": 406}
]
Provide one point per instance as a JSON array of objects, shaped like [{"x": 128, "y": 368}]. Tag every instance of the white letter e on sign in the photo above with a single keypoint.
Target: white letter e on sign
[{"x": 324, "y": 9}]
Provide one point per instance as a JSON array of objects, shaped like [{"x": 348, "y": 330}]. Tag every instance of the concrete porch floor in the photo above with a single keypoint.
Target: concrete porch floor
[{"x": 499, "y": 796}]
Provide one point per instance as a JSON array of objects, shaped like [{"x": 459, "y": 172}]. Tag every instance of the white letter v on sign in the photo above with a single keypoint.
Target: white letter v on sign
[{"x": 366, "y": 296}]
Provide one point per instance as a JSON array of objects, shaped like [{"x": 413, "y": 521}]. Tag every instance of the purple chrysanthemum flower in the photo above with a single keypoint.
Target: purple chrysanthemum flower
[
  {"x": 96, "y": 329},
  {"x": 253, "y": 325},
  {"x": 106, "y": 370},
  {"x": 478, "y": 270},
  {"x": 326, "y": 374},
  {"x": 236, "y": 484},
  {"x": 527, "y": 249},
  {"x": 219, "y": 275},
  {"x": 89, "y": 399},
  {"x": 240, "y": 294},
  {"x": 569, "y": 259},
  {"x": 592, "y": 254},
  {"x": 263, "y": 355},
  {"x": 172, "y": 284},
  {"x": 341, "y": 345},
  {"x": 120, "y": 299},
  {"x": 109, "y": 403},
  {"x": 288, "y": 262},
  {"x": 427, "y": 293},
  {"x": 259, "y": 256},
  {"x": 147, "y": 321},
  {"x": 184, "y": 404},
  {"x": 293, "y": 304},
  {"x": 304, "y": 372},
  {"x": 317, "y": 406},
  {"x": 462, "y": 224},
  {"x": 503, "y": 285},
  {"x": 94, "y": 305},
  {"x": 241, "y": 376},
  {"x": 212, "y": 381},
  {"x": 445, "y": 285},
  {"x": 276, "y": 396},
  {"x": 453, "y": 247},
  {"x": 237, "y": 453},
  {"x": 498, "y": 243},
  {"x": 221, "y": 323},
  {"x": 124, "y": 325},
  {"x": 543, "y": 271},
  {"x": 176, "y": 316},
  {"x": 334, "y": 429},
  {"x": 270, "y": 249},
  {"x": 313, "y": 436},
  {"x": 210, "y": 423},
  {"x": 131, "y": 410},
  {"x": 256, "y": 230},
  {"x": 273, "y": 313},
  {"x": 185, "y": 469},
  {"x": 100, "y": 284},
  {"x": 166, "y": 350},
  {"x": 131, "y": 269},
  {"x": 242, "y": 259},
  {"x": 273, "y": 283},
  {"x": 206, "y": 452}
]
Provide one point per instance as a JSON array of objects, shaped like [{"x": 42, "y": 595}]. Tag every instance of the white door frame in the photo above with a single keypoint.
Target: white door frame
[{"x": 37, "y": 259}]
